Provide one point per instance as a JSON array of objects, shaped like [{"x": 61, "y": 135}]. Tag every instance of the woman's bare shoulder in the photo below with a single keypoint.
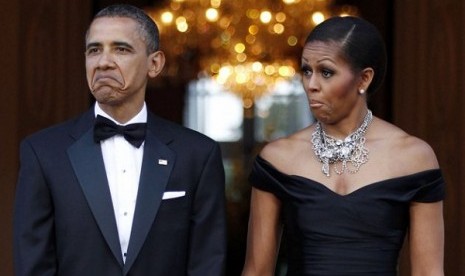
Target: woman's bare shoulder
[
  {"x": 419, "y": 153},
  {"x": 281, "y": 151},
  {"x": 408, "y": 151}
]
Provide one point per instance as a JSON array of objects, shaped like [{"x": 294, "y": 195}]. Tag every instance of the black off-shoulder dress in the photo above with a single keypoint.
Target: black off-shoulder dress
[{"x": 360, "y": 233}]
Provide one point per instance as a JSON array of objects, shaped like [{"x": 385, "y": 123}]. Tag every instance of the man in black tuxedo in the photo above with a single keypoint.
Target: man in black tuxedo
[{"x": 118, "y": 190}]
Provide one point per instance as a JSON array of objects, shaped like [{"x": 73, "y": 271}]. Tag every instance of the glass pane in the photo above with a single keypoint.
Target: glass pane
[
  {"x": 282, "y": 112},
  {"x": 219, "y": 114},
  {"x": 213, "y": 112}
]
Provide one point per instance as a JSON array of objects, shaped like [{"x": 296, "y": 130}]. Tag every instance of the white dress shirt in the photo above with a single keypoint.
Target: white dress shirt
[{"x": 123, "y": 164}]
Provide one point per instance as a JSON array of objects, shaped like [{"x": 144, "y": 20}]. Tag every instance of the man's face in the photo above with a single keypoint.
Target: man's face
[{"x": 117, "y": 64}]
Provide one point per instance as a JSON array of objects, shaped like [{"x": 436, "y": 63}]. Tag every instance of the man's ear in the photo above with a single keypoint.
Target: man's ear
[
  {"x": 366, "y": 77},
  {"x": 156, "y": 63}
]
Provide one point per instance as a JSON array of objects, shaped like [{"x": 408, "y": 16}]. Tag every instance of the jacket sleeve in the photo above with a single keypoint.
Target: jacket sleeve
[
  {"x": 34, "y": 250},
  {"x": 207, "y": 253}
]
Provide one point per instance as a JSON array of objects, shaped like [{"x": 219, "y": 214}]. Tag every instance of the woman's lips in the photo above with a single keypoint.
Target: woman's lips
[{"x": 315, "y": 104}]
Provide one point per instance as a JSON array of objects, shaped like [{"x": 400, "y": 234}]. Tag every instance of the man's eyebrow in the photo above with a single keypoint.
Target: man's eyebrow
[
  {"x": 93, "y": 44},
  {"x": 121, "y": 43},
  {"x": 116, "y": 43}
]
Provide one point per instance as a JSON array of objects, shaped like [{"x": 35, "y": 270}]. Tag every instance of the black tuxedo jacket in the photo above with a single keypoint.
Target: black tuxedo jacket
[{"x": 64, "y": 222}]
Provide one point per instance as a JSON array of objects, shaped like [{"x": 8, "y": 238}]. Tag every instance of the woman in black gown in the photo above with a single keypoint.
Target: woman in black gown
[{"x": 349, "y": 188}]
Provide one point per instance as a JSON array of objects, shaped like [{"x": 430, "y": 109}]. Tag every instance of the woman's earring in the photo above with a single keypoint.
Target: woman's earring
[{"x": 361, "y": 91}]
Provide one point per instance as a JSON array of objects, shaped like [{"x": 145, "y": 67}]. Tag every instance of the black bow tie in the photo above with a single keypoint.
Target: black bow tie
[{"x": 105, "y": 128}]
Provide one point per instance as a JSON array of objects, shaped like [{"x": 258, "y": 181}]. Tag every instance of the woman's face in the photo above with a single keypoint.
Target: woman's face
[{"x": 329, "y": 82}]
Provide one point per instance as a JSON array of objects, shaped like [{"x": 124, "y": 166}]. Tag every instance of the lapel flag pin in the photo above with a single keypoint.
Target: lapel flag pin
[{"x": 162, "y": 162}]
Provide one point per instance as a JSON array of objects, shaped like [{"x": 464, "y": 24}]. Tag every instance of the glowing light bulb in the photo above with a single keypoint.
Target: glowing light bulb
[
  {"x": 292, "y": 40},
  {"x": 257, "y": 66},
  {"x": 265, "y": 17},
  {"x": 239, "y": 47},
  {"x": 280, "y": 17},
  {"x": 167, "y": 17},
  {"x": 253, "y": 29},
  {"x": 181, "y": 24},
  {"x": 278, "y": 28},
  {"x": 211, "y": 14},
  {"x": 318, "y": 17},
  {"x": 215, "y": 3}
]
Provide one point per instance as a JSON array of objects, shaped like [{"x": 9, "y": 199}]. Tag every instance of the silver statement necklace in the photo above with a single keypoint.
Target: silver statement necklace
[{"x": 350, "y": 152}]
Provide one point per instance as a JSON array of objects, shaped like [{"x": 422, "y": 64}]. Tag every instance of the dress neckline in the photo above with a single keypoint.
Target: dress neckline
[{"x": 418, "y": 174}]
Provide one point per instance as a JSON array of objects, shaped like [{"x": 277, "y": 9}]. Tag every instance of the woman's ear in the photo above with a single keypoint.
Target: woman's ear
[
  {"x": 156, "y": 63},
  {"x": 366, "y": 77}
]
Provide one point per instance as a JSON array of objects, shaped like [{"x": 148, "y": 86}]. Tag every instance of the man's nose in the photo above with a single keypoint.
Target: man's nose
[{"x": 106, "y": 60}]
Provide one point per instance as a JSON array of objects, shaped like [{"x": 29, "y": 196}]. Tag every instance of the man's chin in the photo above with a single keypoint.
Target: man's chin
[{"x": 105, "y": 95}]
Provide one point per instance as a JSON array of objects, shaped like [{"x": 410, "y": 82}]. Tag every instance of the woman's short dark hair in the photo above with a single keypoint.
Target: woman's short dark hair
[
  {"x": 361, "y": 44},
  {"x": 149, "y": 29}
]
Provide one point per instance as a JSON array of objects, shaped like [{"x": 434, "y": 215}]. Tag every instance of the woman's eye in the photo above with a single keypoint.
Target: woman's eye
[
  {"x": 306, "y": 71},
  {"x": 326, "y": 73}
]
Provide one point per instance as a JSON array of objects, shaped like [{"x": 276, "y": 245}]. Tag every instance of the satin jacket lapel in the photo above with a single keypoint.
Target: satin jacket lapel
[
  {"x": 87, "y": 161},
  {"x": 158, "y": 161}
]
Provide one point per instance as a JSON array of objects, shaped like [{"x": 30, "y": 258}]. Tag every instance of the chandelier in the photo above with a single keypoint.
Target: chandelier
[{"x": 246, "y": 46}]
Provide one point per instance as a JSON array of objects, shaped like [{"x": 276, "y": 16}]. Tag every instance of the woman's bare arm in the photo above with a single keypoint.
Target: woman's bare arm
[
  {"x": 264, "y": 234},
  {"x": 426, "y": 239}
]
